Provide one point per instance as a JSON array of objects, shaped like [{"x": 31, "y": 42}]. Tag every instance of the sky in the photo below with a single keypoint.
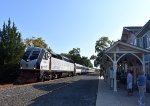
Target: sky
[{"x": 68, "y": 24}]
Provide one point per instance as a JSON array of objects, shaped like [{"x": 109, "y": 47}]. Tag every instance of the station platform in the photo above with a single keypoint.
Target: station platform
[{"x": 107, "y": 97}]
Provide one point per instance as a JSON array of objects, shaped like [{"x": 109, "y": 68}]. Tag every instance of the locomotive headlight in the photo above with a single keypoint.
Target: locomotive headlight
[
  {"x": 20, "y": 66},
  {"x": 34, "y": 67}
]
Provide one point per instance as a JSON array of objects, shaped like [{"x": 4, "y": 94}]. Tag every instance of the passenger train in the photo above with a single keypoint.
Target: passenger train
[{"x": 47, "y": 65}]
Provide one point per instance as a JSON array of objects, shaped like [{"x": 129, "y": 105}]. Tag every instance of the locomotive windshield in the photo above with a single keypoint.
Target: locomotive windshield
[
  {"x": 31, "y": 55},
  {"x": 34, "y": 55},
  {"x": 26, "y": 55}
]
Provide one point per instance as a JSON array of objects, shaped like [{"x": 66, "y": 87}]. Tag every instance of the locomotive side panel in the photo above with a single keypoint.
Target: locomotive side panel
[
  {"x": 58, "y": 65},
  {"x": 45, "y": 61},
  {"x": 78, "y": 68}
]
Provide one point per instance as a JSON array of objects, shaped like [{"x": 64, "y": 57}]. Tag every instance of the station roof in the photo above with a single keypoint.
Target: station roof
[
  {"x": 144, "y": 29},
  {"x": 127, "y": 31},
  {"x": 121, "y": 47}
]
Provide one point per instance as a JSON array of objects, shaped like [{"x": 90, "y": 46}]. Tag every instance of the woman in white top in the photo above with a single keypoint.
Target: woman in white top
[{"x": 129, "y": 83}]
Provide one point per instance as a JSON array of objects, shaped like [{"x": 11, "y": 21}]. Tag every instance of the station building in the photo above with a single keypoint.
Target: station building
[{"x": 132, "y": 52}]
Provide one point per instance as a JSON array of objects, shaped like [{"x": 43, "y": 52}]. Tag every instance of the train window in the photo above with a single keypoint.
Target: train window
[
  {"x": 34, "y": 55},
  {"x": 67, "y": 59},
  {"x": 45, "y": 56},
  {"x": 26, "y": 55},
  {"x": 56, "y": 56},
  {"x": 71, "y": 61},
  {"x": 53, "y": 55},
  {"x": 59, "y": 57}
]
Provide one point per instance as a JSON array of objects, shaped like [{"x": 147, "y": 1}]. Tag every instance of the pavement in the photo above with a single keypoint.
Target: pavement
[{"x": 107, "y": 97}]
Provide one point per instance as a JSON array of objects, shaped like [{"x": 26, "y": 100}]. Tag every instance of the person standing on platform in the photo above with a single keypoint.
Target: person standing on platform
[
  {"x": 101, "y": 72},
  {"x": 129, "y": 83},
  {"x": 141, "y": 85}
]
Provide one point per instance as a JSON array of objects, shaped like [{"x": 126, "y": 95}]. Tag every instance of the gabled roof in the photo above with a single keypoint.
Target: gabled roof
[
  {"x": 125, "y": 47},
  {"x": 144, "y": 29},
  {"x": 127, "y": 31}
]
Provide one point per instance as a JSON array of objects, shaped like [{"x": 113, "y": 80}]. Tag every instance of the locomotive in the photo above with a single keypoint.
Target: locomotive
[{"x": 44, "y": 65}]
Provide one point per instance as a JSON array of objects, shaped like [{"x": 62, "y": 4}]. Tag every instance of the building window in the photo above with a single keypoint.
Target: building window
[
  {"x": 141, "y": 42},
  {"x": 135, "y": 42},
  {"x": 138, "y": 42},
  {"x": 145, "y": 42},
  {"x": 148, "y": 41}
]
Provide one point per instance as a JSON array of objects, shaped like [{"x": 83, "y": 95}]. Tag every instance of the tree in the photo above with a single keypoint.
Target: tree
[
  {"x": 37, "y": 42},
  {"x": 86, "y": 62},
  {"x": 11, "y": 45},
  {"x": 74, "y": 55},
  {"x": 75, "y": 51},
  {"x": 101, "y": 45}
]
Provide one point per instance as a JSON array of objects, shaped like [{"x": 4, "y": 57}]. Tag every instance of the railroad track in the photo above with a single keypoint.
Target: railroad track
[
  {"x": 62, "y": 83},
  {"x": 11, "y": 86},
  {"x": 43, "y": 87},
  {"x": 22, "y": 94}
]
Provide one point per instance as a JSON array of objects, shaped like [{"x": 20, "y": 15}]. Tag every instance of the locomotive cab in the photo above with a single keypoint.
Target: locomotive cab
[{"x": 35, "y": 59}]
